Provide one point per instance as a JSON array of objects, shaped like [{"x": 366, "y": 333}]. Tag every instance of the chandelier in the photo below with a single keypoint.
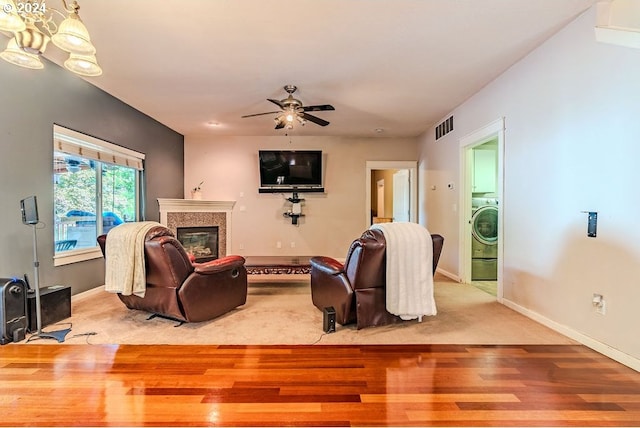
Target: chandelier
[{"x": 33, "y": 26}]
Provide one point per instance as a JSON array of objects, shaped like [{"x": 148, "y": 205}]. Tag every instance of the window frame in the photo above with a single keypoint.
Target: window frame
[{"x": 76, "y": 143}]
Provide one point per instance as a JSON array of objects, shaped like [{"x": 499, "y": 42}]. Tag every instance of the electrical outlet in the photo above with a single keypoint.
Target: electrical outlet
[
  {"x": 293, "y": 244},
  {"x": 241, "y": 246},
  {"x": 278, "y": 244},
  {"x": 599, "y": 304}
]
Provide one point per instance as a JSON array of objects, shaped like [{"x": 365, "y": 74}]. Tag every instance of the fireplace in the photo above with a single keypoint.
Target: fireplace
[
  {"x": 196, "y": 214},
  {"x": 201, "y": 242}
]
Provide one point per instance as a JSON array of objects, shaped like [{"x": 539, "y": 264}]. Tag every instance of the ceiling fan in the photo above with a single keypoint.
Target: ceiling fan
[{"x": 291, "y": 109}]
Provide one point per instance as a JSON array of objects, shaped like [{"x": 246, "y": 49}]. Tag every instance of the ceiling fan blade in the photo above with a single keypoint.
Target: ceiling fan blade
[
  {"x": 314, "y": 119},
  {"x": 260, "y": 114},
  {"x": 276, "y": 102},
  {"x": 323, "y": 107}
]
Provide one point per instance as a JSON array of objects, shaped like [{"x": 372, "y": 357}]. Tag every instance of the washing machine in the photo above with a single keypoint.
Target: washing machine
[{"x": 484, "y": 245}]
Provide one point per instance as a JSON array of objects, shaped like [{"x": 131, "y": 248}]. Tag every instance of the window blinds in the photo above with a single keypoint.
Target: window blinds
[{"x": 78, "y": 144}]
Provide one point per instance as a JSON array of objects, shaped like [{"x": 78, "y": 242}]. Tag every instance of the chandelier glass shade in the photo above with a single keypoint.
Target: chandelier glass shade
[
  {"x": 17, "y": 56},
  {"x": 33, "y": 26},
  {"x": 9, "y": 18},
  {"x": 85, "y": 65},
  {"x": 72, "y": 36}
]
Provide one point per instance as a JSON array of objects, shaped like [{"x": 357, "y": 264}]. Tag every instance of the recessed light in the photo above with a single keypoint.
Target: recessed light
[
  {"x": 212, "y": 123},
  {"x": 379, "y": 130}
]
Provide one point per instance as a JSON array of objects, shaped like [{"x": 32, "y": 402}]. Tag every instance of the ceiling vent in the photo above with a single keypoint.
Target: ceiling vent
[{"x": 444, "y": 128}]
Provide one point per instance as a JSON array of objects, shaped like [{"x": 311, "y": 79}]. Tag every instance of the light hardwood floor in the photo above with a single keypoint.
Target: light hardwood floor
[{"x": 366, "y": 385}]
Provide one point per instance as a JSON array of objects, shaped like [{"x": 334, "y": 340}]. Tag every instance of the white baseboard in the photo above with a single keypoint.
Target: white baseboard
[
  {"x": 88, "y": 293},
  {"x": 600, "y": 347},
  {"x": 448, "y": 275}
]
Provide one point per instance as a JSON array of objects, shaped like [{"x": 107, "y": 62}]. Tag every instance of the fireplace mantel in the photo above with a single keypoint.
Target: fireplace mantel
[
  {"x": 187, "y": 207},
  {"x": 193, "y": 206}
]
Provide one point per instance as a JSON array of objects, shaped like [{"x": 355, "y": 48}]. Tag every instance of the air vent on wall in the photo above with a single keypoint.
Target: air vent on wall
[{"x": 444, "y": 128}]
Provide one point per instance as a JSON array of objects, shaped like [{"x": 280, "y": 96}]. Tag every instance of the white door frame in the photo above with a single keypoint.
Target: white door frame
[
  {"x": 493, "y": 130},
  {"x": 412, "y": 166}
]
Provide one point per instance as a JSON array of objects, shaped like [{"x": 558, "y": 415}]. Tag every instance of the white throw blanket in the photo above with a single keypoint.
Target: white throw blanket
[
  {"x": 409, "y": 252},
  {"x": 124, "y": 265}
]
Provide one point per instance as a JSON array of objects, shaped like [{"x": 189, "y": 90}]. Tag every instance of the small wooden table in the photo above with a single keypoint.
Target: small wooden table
[{"x": 278, "y": 265}]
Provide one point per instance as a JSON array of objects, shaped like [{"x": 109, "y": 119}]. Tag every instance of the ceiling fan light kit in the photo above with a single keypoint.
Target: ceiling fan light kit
[
  {"x": 33, "y": 26},
  {"x": 292, "y": 110}
]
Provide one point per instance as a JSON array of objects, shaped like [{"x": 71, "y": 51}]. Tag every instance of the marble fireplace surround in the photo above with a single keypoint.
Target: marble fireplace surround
[{"x": 176, "y": 213}]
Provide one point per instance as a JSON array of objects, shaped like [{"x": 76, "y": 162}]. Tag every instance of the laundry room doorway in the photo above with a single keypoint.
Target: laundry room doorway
[{"x": 481, "y": 248}]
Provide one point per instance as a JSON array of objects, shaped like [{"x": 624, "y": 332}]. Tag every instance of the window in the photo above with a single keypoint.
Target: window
[{"x": 96, "y": 186}]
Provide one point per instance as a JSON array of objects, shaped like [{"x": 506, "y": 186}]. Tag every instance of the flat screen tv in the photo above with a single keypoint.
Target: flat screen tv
[
  {"x": 29, "y": 209},
  {"x": 290, "y": 170}
]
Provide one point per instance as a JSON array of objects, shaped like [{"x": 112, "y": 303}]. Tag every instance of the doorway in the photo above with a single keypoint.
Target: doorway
[
  {"x": 405, "y": 194},
  {"x": 390, "y": 196},
  {"x": 481, "y": 222},
  {"x": 484, "y": 213}
]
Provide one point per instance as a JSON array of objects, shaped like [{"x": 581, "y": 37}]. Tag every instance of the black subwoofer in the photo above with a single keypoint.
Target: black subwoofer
[
  {"x": 55, "y": 305},
  {"x": 13, "y": 310},
  {"x": 329, "y": 319}
]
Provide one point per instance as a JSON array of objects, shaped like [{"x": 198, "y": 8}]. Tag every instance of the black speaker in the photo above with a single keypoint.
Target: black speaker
[
  {"x": 13, "y": 310},
  {"x": 55, "y": 305},
  {"x": 329, "y": 319}
]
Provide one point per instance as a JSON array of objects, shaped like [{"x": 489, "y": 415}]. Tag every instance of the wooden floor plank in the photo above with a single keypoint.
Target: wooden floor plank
[{"x": 374, "y": 385}]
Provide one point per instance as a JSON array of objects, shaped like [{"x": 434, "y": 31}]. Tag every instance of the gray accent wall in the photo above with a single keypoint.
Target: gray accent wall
[{"x": 31, "y": 101}]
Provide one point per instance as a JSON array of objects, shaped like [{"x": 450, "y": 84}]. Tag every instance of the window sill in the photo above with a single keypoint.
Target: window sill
[{"x": 74, "y": 256}]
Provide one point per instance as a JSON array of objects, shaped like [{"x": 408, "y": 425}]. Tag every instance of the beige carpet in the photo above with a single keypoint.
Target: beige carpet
[{"x": 282, "y": 313}]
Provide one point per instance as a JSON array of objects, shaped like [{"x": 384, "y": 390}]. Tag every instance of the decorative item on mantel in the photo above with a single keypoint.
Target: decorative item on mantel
[{"x": 196, "y": 192}]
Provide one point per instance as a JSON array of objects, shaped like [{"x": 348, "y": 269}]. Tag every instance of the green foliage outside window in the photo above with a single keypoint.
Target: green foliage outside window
[
  {"x": 119, "y": 191},
  {"x": 75, "y": 191},
  {"x": 75, "y": 199}
]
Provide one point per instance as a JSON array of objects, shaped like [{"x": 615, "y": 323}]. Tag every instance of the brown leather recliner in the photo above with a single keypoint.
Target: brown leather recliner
[
  {"x": 356, "y": 289},
  {"x": 185, "y": 291}
]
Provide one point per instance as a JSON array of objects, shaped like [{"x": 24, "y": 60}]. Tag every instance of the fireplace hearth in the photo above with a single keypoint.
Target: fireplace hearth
[{"x": 200, "y": 241}]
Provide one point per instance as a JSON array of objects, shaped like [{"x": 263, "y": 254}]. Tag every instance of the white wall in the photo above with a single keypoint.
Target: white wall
[
  {"x": 229, "y": 168},
  {"x": 572, "y": 144},
  {"x": 438, "y": 205}
]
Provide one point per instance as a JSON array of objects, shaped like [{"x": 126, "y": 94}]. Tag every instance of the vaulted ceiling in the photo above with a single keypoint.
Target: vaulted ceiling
[{"x": 396, "y": 66}]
